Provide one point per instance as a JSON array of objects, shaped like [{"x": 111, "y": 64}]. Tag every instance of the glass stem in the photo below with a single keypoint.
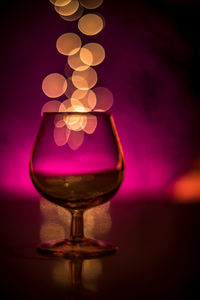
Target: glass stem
[
  {"x": 77, "y": 234},
  {"x": 76, "y": 273}
]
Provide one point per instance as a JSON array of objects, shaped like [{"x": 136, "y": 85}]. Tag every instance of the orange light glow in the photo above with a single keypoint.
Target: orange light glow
[
  {"x": 61, "y": 135},
  {"x": 58, "y": 121},
  {"x": 51, "y": 106},
  {"x": 64, "y": 216},
  {"x": 54, "y": 85},
  {"x": 92, "y": 54},
  {"x": 91, "y": 124},
  {"x": 62, "y": 273},
  {"x": 54, "y": 225},
  {"x": 68, "y": 44},
  {"x": 72, "y": 105},
  {"x": 79, "y": 94},
  {"x": 78, "y": 106},
  {"x": 75, "y": 122},
  {"x": 51, "y": 231},
  {"x": 74, "y": 16},
  {"x": 90, "y": 24},
  {"x": 65, "y": 106},
  {"x": 84, "y": 80},
  {"x": 76, "y": 63},
  {"x": 47, "y": 209},
  {"x": 104, "y": 99},
  {"x": 97, "y": 220},
  {"x": 76, "y": 139},
  {"x": 86, "y": 56},
  {"x": 68, "y": 9},
  {"x": 60, "y": 2},
  {"x": 86, "y": 97},
  {"x": 91, "y": 271},
  {"x": 187, "y": 188},
  {"x": 91, "y": 4}
]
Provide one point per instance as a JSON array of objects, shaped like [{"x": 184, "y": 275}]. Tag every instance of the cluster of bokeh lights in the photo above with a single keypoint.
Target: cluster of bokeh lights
[{"x": 79, "y": 87}]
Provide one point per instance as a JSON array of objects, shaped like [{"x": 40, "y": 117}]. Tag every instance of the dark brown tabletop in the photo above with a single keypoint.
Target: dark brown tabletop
[{"x": 158, "y": 253}]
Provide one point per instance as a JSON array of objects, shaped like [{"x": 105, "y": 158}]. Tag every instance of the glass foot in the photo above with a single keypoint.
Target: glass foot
[{"x": 85, "y": 248}]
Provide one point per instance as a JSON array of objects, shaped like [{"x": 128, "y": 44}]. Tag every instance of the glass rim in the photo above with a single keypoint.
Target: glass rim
[{"x": 77, "y": 113}]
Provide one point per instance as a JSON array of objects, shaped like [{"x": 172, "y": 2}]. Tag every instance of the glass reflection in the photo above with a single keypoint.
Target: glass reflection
[{"x": 78, "y": 273}]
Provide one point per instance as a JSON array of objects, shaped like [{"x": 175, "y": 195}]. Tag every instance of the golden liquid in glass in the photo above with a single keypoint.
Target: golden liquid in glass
[{"x": 79, "y": 191}]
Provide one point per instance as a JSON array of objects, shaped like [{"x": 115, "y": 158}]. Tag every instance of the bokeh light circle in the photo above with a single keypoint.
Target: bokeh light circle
[
  {"x": 65, "y": 106},
  {"x": 75, "y": 122},
  {"x": 84, "y": 80},
  {"x": 77, "y": 106},
  {"x": 68, "y": 43},
  {"x": 86, "y": 97},
  {"x": 104, "y": 99},
  {"x": 61, "y": 135},
  {"x": 91, "y": 4},
  {"x": 92, "y": 54},
  {"x": 54, "y": 85},
  {"x": 68, "y": 9},
  {"x": 76, "y": 63},
  {"x": 90, "y": 24},
  {"x": 91, "y": 124},
  {"x": 51, "y": 106},
  {"x": 58, "y": 120},
  {"x": 76, "y": 139},
  {"x": 72, "y": 105},
  {"x": 74, "y": 16},
  {"x": 60, "y": 2}
]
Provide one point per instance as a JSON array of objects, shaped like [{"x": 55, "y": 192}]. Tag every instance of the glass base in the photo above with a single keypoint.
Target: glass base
[{"x": 86, "y": 248}]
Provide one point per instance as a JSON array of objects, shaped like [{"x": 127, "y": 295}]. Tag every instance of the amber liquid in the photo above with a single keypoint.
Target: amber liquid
[{"x": 79, "y": 191}]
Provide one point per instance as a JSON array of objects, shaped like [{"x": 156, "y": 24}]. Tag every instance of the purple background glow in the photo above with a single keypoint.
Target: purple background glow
[{"x": 155, "y": 110}]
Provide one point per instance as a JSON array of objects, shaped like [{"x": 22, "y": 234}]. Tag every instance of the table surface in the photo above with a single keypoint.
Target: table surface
[{"x": 158, "y": 255}]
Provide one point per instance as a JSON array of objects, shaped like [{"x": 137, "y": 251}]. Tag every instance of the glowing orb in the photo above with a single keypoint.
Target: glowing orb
[
  {"x": 75, "y": 122},
  {"x": 104, "y": 99},
  {"x": 68, "y": 43},
  {"x": 91, "y": 4},
  {"x": 51, "y": 106},
  {"x": 74, "y": 16},
  {"x": 58, "y": 121},
  {"x": 187, "y": 188},
  {"x": 61, "y": 135},
  {"x": 86, "y": 97},
  {"x": 90, "y": 24},
  {"x": 84, "y": 80},
  {"x": 65, "y": 106},
  {"x": 91, "y": 124},
  {"x": 60, "y": 2},
  {"x": 54, "y": 85},
  {"x": 68, "y": 9},
  {"x": 76, "y": 139},
  {"x": 76, "y": 63},
  {"x": 92, "y": 54},
  {"x": 78, "y": 106}
]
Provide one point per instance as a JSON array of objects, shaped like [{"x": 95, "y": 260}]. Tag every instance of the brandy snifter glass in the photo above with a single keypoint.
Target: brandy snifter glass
[{"x": 77, "y": 177}]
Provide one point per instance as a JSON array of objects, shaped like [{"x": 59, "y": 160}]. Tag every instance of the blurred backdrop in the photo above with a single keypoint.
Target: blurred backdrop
[{"x": 152, "y": 68}]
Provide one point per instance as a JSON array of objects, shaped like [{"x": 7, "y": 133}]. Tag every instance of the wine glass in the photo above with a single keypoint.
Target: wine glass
[{"x": 77, "y": 163}]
